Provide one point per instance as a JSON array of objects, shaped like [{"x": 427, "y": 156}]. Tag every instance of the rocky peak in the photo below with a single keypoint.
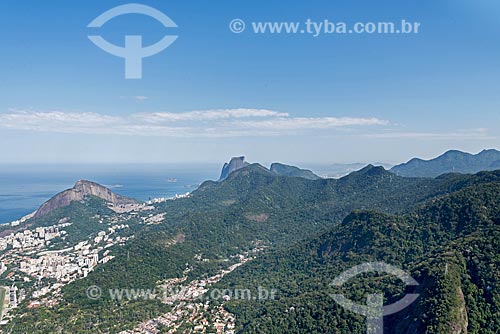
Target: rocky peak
[
  {"x": 81, "y": 190},
  {"x": 235, "y": 164}
]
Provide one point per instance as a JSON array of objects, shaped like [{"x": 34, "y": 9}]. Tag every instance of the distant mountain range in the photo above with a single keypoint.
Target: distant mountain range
[
  {"x": 303, "y": 231},
  {"x": 276, "y": 168},
  {"x": 450, "y": 162}
]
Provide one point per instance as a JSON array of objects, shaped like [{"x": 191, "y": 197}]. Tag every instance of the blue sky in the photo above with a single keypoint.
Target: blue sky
[{"x": 273, "y": 97}]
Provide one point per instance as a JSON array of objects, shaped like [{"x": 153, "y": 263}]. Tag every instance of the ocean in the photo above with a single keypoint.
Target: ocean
[{"x": 24, "y": 188}]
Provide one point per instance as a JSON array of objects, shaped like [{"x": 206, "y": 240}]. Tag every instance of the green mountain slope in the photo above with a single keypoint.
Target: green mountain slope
[
  {"x": 292, "y": 171},
  {"x": 286, "y": 215},
  {"x": 450, "y": 245}
]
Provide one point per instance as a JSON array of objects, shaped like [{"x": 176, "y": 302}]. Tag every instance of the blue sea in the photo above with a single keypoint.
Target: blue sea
[{"x": 24, "y": 188}]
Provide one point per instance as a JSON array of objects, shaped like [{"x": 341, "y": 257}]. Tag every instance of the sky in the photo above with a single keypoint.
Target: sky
[{"x": 213, "y": 93}]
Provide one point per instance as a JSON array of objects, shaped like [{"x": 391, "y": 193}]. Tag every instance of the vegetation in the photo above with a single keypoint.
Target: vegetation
[
  {"x": 443, "y": 231},
  {"x": 450, "y": 245},
  {"x": 450, "y": 162}
]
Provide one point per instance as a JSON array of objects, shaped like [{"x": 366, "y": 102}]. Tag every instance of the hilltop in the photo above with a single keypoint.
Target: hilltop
[
  {"x": 452, "y": 161},
  {"x": 81, "y": 190}
]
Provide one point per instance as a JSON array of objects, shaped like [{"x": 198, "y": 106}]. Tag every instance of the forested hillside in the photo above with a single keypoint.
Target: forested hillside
[
  {"x": 451, "y": 245},
  {"x": 310, "y": 231}
]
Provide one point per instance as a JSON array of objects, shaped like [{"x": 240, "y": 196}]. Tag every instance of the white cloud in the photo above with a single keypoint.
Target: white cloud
[
  {"x": 302, "y": 123},
  {"x": 205, "y": 123},
  {"x": 207, "y": 115},
  {"x": 140, "y": 98}
]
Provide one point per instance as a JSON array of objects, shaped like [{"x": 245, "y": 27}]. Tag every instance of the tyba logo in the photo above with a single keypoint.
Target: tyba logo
[
  {"x": 374, "y": 310},
  {"x": 133, "y": 52}
]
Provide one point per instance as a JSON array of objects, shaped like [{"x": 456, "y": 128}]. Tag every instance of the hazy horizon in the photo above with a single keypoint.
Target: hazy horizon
[{"x": 298, "y": 163}]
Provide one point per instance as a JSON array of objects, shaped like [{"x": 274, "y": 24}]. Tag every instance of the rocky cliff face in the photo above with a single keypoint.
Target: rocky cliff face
[
  {"x": 234, "y": 165},
  {"x": 78, "y": 193},
  {"x": 238, "y": 163}
]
